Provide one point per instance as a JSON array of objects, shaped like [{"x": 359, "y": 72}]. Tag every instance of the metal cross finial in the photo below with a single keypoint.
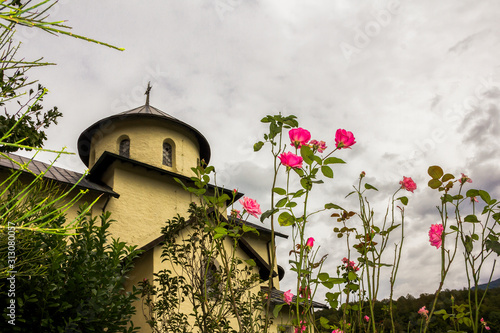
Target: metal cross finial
[{"x": 148, "y": 89}]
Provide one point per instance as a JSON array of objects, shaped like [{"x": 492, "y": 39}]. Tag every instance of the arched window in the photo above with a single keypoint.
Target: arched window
[
  {"x": 212, "y": 280},
  {"x": 167, "y": 154},
  {"x": 124, "y": 149}
]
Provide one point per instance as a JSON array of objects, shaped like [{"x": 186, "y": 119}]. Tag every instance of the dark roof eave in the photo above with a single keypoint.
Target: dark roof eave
[
  {"x": 107, "y": 158},
  {"x": 258, "y": 227}
]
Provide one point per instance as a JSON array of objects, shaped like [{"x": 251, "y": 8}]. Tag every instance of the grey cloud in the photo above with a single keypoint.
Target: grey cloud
[{"x": 465, "y": 43}]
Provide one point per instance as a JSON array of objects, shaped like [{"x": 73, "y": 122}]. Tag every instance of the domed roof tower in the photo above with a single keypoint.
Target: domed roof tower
[{"x": 148, "y": 135}]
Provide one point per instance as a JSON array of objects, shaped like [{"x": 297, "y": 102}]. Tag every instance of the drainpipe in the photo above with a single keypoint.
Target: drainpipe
[{"x": 106, "y": 203}]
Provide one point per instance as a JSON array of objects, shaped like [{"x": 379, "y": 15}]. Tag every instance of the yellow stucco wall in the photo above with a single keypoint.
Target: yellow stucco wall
[
  {"x": 147, "y": 199},
  {"x": 146, "y": 143}
]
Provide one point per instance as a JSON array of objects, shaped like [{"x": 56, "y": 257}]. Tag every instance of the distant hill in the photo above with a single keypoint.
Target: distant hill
[{"x": 493, "y": 284}]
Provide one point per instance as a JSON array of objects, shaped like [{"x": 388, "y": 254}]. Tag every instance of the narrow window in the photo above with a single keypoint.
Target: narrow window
[
  {"x": 125, "y": 148},
  {"x": 167, "y": 154}
]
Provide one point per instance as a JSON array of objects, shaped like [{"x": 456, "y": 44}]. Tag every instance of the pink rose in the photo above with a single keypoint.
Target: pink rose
[
  {"x": 408, "y": 184},
  {"x": 235, "y": 213},
  {"x": 288, "y": 296},
  {"x": 367, "y": 318},
  {"x": 344, "y": 139},
  {"x": 305, "y": 291},
  {"x": 310, "y": 242},
  {"x": 337, "y": 331},
  {"x": 320, "y": 146},
  {"x": 299, "y": 137},
  {"x": 291, "y": 160},
  {"x": 465, "y": 179},
  {"x": 424, "y": 312},
  {"x": 251, "y": 206},
  {"x": 435, "y": 233},
  {"x": 302, "y": 328}
]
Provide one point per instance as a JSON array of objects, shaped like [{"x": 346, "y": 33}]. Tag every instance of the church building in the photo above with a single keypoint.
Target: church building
[{"x": 133, "y": 158}]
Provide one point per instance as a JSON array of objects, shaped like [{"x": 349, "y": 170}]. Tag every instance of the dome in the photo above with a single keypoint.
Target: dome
[{"x": 106, "y": 125}]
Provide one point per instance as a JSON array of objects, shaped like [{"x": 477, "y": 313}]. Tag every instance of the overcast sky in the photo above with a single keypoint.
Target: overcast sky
[{"x": 418, "y": 83}]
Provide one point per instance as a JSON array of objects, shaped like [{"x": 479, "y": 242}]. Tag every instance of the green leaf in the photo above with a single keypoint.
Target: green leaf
[
  {"x": 333, "y": 160},
  {"x": 285, "y": 219},
  {"x": 454, "y": 227},
  {"x": 350, "y": 193},
  {"x": 447, "y": 177},
  {"x": 279, "y": 190},
  {"x": 434, "y": 183},
  {"x": 266, "y": 119},
  {"x": 370, "y": 187},
  {"x": 468, "y": 244},
  {"x": 475, "y": 237},
  {"x": 472, "y": 193},
  {"x": 323, "y": 276},
  {"x": 404, "y": 200},
  {"x": 317, "y": 159},
  {"x": 337, "y": 280},
  {"x": 447, "y": 198},
  {"x": 352, "y": 286},
  {"x": 435, "y": 172},
  {"x": 246, "y": 228},
  {"x": 197, "y": 191},
  {"x": 282, "y": 202},
  {"x": 223, "y": 198},
  {"x": 327, "y": 284},
  {"x": 220, "y": 230},
  {"x": 268, "y": 213},
  {"x": 493, "y": 246},
  {"x": 258, "y": 146},
  {"x": 485, "y": 196},
  {"x": 352, "y": 276},
  {"x": 251, "y": 262},
  {"x": 299, "y": 172},
  {"x": 277, "y": 309},
  {"x": 327, "y": 171},
  {"x": 333, "y": 206},
  {"x": 324, "y": 322},
  {"x": 471, "y": 218},
  {"x": 306, "y": 184},
  {"x": 307, "y": 154},
  {"x": 299, "y": 193}
]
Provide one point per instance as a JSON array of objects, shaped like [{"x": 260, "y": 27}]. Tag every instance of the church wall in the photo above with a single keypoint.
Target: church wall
[
  {"x": 143, "y": 269},
  {"x": 146, "y": 143},
  {"x": 147, "y": 200}
]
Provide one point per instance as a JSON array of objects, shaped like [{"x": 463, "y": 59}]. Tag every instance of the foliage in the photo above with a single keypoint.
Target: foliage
[
  {"x": 309, "y": 167},
  {"x": 407, "y": 320},
  {"x": 27, "y": 124},
  {"x": 196, "y": 279},
  {"x": 477, "y": 236},
  {"x": 81, "y": 286}
]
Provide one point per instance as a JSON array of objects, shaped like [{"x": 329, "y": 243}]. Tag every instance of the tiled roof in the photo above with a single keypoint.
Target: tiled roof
[
  {"x": 148, "y": 109},
  {"x": 278, "y": 298},
  {"x": 55, "y": 173}
]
